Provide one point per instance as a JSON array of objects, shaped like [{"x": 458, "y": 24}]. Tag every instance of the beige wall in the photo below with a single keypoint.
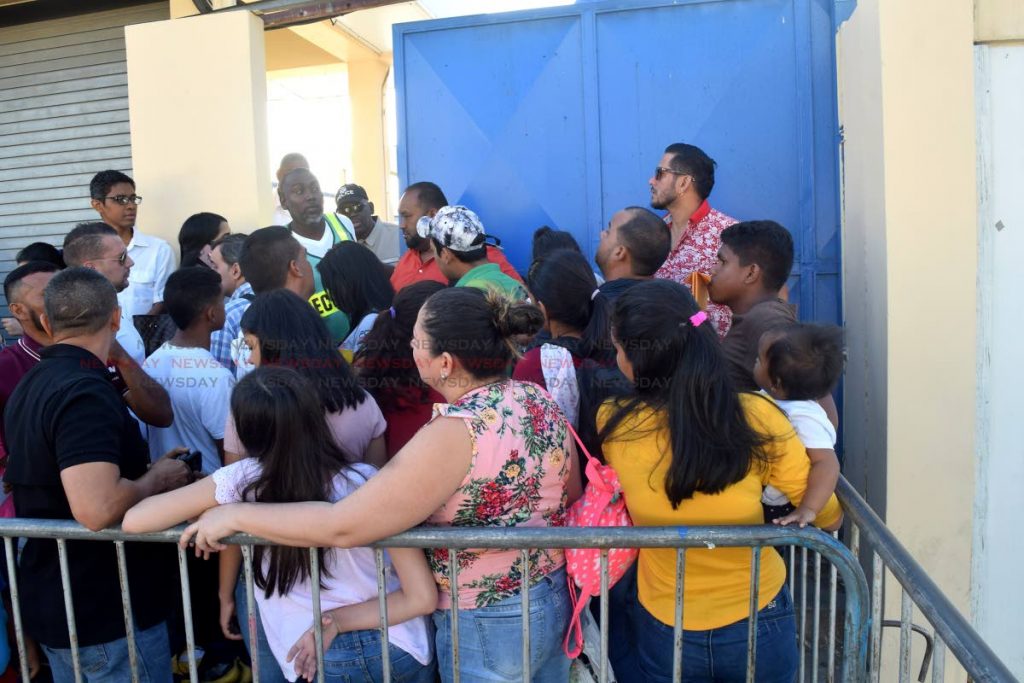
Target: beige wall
[
  {"x": 998, "y": 20},
  {"x": 910, "y": 248},
  {"x": 366, "y": 91},
  {"x": 931, "y": 235},
  {"x": 322, "y": 44},
  {"x": 197, "y": 101},
  {"x": 287, "y": 50}
]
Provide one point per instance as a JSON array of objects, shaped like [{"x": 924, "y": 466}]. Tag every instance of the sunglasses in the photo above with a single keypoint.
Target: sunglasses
[
  {"x": 120, "y": 259},
  {"x": 659, "y": 171},
  {"x": 351, "y": 209}
]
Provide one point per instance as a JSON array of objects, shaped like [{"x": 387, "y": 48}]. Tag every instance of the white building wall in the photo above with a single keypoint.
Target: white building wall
[{"x": 998, "y": 557}]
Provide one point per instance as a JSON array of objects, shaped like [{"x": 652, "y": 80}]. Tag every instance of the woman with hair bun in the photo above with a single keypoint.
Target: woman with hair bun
[{"x": 497, "y": 454}]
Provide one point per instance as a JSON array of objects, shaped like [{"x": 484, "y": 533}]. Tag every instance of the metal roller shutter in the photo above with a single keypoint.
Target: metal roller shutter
[{"x": 63, "y": 117}]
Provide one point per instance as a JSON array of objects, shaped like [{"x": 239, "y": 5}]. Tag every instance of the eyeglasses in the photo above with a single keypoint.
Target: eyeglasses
[
  {"x": 661, "y": 170},
  {"x": 125, "y": 199},
  {"x": 120, "y": 259}
]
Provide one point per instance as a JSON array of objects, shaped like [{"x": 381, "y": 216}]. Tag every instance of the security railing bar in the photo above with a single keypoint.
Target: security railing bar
[
  {"x": 756, "y": 538},
  {"x": 126, "y": 607},
  {"x": 952, "y": 630}
]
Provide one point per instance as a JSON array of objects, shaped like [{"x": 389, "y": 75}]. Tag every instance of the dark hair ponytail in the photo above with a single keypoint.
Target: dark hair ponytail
[
  {"x": 355, "y": 279},
  {"x": 196, "y": 232},
  {"x": 291, "y": 334},
  {"x": 564, "y": 282},
  {"x": 478, "y": 329},
  {"x": 384, "y": 363},
  {"x": 281, "y": 423},
  {"x": 679, "y": 370}
]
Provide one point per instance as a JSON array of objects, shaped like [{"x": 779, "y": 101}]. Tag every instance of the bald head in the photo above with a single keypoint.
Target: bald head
[
  {"x": 289, "y": 163},
  {"x": 635, "y": 244}
]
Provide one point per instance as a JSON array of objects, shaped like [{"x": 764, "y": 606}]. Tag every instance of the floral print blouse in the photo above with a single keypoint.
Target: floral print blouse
[
  {"x": 517, "y": 477},
  {"x": 697, "y": 251}
]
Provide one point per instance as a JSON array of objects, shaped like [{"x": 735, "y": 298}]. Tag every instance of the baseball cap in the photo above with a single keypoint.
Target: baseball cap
[
  {"x": 455, "y": 227},
  {"x": 350, "y": 193}
]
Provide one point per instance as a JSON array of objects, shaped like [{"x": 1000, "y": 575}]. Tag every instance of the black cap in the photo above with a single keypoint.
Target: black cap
[{"x": 349, "y": 193}]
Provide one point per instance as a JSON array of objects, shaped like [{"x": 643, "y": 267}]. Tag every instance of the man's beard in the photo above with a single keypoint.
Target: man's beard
[
  {"x": 660, "y": 203},
  {"x": 415, "y": 242}
]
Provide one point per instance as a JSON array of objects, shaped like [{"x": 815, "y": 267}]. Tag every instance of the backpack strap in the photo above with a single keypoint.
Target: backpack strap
[
  {"x": 575, "y": 631},
  {"x": 594, "y": 477}
]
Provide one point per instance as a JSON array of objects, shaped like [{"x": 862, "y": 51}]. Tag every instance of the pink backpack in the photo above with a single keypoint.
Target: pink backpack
[{"x": 601, "y": 505}]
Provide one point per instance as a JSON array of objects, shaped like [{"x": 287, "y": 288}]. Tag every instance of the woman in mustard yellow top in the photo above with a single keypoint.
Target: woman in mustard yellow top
[{"x": 689, "y": 450}]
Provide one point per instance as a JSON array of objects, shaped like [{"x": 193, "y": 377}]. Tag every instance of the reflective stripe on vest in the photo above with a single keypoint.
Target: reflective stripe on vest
[
  {"x": 320, "y": 301},
  {"x": 340, "y": 231}
]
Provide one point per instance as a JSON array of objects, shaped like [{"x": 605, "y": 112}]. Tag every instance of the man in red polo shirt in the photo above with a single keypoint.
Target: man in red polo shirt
[
  {"x": 418, "y": 262},
  {"x": 681, "y": 183},
  {"x": 23, "y": 289}
]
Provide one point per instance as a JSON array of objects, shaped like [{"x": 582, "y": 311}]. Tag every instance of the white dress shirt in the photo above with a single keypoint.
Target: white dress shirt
[{"x": 153, "y": 263}]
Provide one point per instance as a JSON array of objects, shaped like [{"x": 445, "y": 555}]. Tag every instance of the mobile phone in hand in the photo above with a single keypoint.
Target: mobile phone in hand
[{"x": 194, "y": 460}]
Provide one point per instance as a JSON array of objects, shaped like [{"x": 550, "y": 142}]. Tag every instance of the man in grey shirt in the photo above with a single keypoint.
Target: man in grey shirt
[{"x": 381, "y": 237}]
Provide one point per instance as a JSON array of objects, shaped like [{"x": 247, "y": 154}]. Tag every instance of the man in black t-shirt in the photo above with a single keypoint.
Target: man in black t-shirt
[{"x": 76, "y": 453}]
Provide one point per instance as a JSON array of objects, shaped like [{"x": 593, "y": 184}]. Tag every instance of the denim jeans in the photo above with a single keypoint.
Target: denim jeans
[
  {"x": 270, "y": 670},
  {"x": 108, "y": 662},
  {"x": 490, "y": 638},
  {"x": 355, "y": 657},
  {"x": 717, "y": 655}
]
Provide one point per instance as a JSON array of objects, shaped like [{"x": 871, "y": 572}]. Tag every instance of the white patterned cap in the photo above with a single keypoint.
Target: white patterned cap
[{"x": 455, "y": 227}]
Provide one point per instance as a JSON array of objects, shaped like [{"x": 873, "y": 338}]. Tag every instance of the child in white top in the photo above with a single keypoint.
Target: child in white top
[
  {"x": 797, "y": 365},
  {"x": 294, "y": 458}
]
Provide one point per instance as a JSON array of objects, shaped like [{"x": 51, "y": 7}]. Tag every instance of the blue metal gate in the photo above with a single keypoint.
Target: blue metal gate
[{"x": 559, "y": 116}]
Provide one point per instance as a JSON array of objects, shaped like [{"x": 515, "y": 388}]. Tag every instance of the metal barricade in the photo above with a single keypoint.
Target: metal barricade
[
  {"x": 869, "y": 536},
  {"x": 844, "y": 571}
]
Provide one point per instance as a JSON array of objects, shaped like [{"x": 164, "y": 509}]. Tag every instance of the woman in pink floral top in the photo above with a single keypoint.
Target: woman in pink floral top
[
  {"x": 497, "y": 454},
  {"x": 517, "y": 478}
]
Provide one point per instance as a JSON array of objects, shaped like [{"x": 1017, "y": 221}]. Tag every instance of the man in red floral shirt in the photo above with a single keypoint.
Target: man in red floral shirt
[{"x": 681, "y": 184}]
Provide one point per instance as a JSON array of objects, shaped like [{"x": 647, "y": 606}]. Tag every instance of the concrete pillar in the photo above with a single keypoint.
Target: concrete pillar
[
  {"x": 910, "y": 251},
  {"x": 369, "y": 148},
  {"x": 997, "y": 595},
  {"x": 197, "y": 101}
]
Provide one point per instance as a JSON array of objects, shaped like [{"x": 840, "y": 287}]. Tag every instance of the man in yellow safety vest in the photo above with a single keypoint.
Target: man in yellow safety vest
[{"x": 317, "y": 231}]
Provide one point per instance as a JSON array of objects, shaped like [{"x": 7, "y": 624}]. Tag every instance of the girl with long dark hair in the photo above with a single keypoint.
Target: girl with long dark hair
[
  {"x": 689, "y": 449},
  {"x": 281, "y": 329},
  {"x": 359, "y": 285},
  {"x": 197, "y": 234},
  {"x": 386, "y": 369},
  {"x": 497, "y": 454},
  {"x": 293, "y": 457}
]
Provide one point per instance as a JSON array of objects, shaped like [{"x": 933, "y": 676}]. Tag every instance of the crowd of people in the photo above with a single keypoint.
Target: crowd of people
[{"x": 312, "y": 384}]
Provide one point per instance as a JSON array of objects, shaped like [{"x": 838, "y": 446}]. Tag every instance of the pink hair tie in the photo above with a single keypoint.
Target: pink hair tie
[{"x": 697, "y": 318}]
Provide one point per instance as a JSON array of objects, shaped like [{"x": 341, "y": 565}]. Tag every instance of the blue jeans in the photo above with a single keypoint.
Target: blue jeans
[
  {"x": 355, "y": 657},
  {"x": 270, "y": 670},
  {"x": 108, "y": 662},
  {"x": 717, "y": 655},
  {"x": 491, "y": 638}
]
